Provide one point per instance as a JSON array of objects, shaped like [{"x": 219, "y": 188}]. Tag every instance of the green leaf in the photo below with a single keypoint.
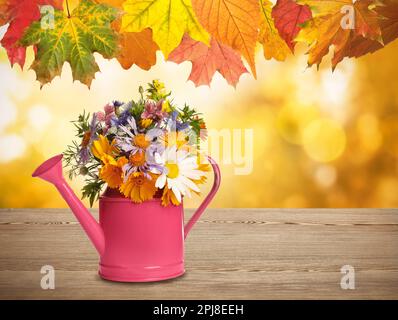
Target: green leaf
[
  {"x": 73, "y": 39},
  {"x": 92, "y": 190}
]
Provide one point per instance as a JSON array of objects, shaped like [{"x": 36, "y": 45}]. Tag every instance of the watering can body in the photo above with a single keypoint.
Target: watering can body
[
  {"x": 136, "y": 242},
  {"x": 143, "y": 242}
]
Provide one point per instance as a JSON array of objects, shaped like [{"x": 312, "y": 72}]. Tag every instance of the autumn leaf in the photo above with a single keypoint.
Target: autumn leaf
[
  {"x": 207, "y": 60},
  {"x": 273, "y": 45},
  {"x": 5, "y": 13},
  {"x": 288, "y": 16},
  {"x": 388, "y": 22},
  {"x": 366, "y": 19},
  {"x": 113, "y": 3},
  {"x": 136, "y": 48},
  {"x": 234, "y": 23},
  {"x": 20, "y": 15},
  {"x": 168, "y": 19},
  {"x": 74, "y": 39},
  {"x": 325, "y": 29}
]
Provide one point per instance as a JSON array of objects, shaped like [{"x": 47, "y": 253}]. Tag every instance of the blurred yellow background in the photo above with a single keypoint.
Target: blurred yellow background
[{"x": 321, "y": 139}]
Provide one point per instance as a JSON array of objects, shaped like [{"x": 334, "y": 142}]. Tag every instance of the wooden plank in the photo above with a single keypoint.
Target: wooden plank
[{"x": 230, "y": 254}]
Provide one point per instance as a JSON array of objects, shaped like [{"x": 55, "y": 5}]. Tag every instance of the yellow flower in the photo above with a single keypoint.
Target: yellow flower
[
  {"x": 166, "y": 106},
  {"x": 145, "y": 123},
  {"x": 102, "y": 147},
  {"x": 158, "y": 85},
  {"x": 139, "y": 188},
  {"x": 112, "y": 172}
]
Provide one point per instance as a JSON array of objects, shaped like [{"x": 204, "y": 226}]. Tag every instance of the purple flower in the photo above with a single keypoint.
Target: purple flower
[
  {"x": 141, "y": 153},
  {"x": 121, "y": 120},
  {"x": 117, "y": 104},
  {"x": 148, "y": 164},
  {"x": 88, "y": 138},
  {"x": 176, "y": 125}
]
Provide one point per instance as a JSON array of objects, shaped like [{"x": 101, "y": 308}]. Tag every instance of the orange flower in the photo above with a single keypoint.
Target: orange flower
[
  {"x": 112, "y": 172},
  {"x": 141, "y": 141},
  {"x": 139, "y": 188},
  {"x": 137, "y": 159},
  {"x": 205, "y": 167},
  {"x": 168, "y": 196}
]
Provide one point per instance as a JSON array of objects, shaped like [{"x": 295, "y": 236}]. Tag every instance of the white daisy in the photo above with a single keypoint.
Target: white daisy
[{"x": 179, "y": 169}]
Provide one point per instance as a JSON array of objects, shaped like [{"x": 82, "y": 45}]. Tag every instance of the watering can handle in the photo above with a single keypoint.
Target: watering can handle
[{"x": 207, "y": 200}]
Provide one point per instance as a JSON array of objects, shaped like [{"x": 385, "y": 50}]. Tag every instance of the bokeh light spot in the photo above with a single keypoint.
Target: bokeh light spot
[
  {"x": 39, "y": 117},
  {"x": 11, "y": 147},
  {"x": 325, "y": 176},
  {"x": 324, "y": 140},
  {"x": 8, "y": 112},
  {"x": 334, "y": 87},
  {"x": 370, "y": 137},
  {"x": 292, "y": 120}
]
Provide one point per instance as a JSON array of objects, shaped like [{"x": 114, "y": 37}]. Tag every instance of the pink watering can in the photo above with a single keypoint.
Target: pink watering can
[{"x": 136, "y": 242}]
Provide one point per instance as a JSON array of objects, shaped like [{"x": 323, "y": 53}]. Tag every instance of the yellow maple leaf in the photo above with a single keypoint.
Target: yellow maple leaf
[
  {"x": 232, "y": 22},
  {"x": 70, "y": 5},
  {"x": 113, "y": 3},
  {"x": 168, "y": 19},
  {"x": 274, "y": 46}
]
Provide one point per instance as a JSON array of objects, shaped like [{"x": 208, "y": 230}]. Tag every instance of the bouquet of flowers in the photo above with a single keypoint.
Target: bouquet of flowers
[{"x": 145, "y": 149}]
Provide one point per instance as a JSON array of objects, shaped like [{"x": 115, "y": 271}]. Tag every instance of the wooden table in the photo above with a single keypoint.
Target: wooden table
[{"x": 231, "y": 254}]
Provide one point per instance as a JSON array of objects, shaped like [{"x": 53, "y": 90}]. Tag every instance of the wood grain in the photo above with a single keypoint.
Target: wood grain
[{"x": 230, "y": 254}]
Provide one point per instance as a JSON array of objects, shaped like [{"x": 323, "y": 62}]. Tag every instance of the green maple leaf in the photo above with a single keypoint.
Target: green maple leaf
[{"x": 74, "y": 39}]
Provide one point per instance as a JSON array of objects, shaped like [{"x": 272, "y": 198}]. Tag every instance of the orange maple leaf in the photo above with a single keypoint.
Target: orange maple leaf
[
  {"x": 5, "y": 13},
  {"x": 136, "y": 48},
  {"x": 234, "y": 23},
  {"x": 207, "y": 60},
  {"x": 325, "y": 29}
]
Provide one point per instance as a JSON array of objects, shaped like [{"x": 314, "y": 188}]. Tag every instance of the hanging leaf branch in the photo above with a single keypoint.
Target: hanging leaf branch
[{"x": 214, "y": 35}]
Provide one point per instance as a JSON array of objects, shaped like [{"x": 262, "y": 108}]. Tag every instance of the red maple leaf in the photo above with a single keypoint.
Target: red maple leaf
[
  {"x": 21, "y": 14},
  {"x": 207, "y": 60},
  {"x": 288, "y": 15}
]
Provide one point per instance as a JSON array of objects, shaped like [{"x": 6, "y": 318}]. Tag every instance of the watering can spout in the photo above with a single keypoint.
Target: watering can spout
[{"x": 51, "y": 171}]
